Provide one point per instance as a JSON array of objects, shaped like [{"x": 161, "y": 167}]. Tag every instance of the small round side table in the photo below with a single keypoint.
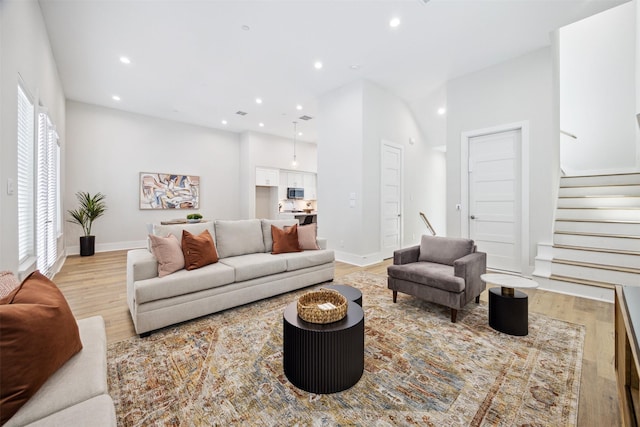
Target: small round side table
[{"x": 509, "y": 308}]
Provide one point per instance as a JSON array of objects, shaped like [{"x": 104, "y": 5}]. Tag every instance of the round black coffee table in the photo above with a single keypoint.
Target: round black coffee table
[
  {"x": 323, "y": 358},
  {"x": 349, "y": 292}
]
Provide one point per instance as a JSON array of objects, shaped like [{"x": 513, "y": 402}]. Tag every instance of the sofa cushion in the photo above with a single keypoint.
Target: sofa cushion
[
  {"x": 285, "y": 241},
  {"x": 255, "y": 265},
  {"x": 168, "y": 253},
  {"x": 300, "y": 260},
  {"x": 239, "y": 237},
  {"x": 444, "y": 250},
  {"x": 97, "y": 411},
  {"x": 176, "y": 229},
  {"x": 183, "y": 282},
  {"x": 266, "y": 230},
  {"x": 83, "y": 377},
  {"x": 38, "y": 334},
  {"x": 431, "y": 274},
  {"x": 198, "y": 250}
]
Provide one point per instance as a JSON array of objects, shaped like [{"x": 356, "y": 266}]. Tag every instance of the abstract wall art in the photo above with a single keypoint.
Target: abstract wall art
[{"x": 169, "y": 191}]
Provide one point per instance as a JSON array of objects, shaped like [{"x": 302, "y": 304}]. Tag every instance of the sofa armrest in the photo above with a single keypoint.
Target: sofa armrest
[
  {"x": 322, "y": 242},
  {"x": 406, "y": 255},
  {"x": 141, "y": 265},
  {"x": 470, "y": 268}
]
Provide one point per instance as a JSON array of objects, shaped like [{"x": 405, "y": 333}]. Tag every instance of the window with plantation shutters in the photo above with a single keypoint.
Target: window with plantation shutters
[
  {"x": 46, "y": 195},
  {"x": 26, "y": 170}
]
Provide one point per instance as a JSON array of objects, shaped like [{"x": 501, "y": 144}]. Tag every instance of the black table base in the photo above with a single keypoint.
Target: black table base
[
  {"x": 323, "y": 358},
  {"x": 509, "y": 313}
]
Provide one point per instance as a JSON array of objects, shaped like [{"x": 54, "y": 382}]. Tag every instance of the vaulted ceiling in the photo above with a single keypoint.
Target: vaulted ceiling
[{"x": 202, "y": 61}]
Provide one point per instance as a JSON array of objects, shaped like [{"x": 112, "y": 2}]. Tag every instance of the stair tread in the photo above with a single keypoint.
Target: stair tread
[
  {"x": 617, "y": 208},
  {"x": 595, "y": 265},
  {"x": 582, "y": 281},
  {"x": 604, "y": 250},
  {"x": 581, "y": 233},
  {"x": 602, "y": 174},
  {"x": 601, "y": 196},
  {"x": 599, "y": 185},
  {"x": 603, "y": 221}
]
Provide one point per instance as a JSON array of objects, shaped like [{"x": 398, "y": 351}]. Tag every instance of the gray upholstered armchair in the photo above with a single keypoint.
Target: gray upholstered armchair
[{"x": 444, "y": 270}]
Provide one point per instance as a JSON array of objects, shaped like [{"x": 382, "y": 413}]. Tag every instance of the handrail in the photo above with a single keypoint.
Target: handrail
[
  {"x": 568, "y": 134},
  {"x": 427, "y": 223}
]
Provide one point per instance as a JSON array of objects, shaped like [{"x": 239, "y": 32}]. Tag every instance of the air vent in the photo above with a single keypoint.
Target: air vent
[
  {"x": 241, "y": 113},
  {"x": 305, "y": 118}
]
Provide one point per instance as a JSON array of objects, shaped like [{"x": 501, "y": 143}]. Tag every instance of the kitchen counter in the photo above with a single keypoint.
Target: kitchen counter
[{"x": 300, "y": 216}]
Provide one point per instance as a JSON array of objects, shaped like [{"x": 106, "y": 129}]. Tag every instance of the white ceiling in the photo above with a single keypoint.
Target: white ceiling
[{"x": 192, "y": 61}]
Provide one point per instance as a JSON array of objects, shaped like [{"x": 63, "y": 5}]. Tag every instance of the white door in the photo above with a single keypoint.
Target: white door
[
  {"x": 391, "y": 198},
  {"x": 495, "y": 197}
]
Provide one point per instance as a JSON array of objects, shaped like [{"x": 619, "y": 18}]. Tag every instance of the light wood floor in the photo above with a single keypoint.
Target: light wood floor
[{"x": 97, "y": 286}]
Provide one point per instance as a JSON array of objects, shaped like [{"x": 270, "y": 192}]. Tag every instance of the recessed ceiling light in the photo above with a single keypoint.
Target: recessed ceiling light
[
  {"x": 298, "y": 107},
  {"x": 224, "y": 122},
  {"x": 258, "y": 100},
  {"x": 299, "y": 133},
  {"x": 355, "y": 67},
  {"x": 125, "y": 60},
  {"x": 115, "y": 98},
  {"x": 317, "y": 65},
  {"x": 442, "y": 110},
  {"x": 394, "y": 22},
  {"x": 261, "y": 124}
]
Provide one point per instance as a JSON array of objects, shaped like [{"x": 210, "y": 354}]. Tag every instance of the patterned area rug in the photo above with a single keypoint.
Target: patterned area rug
[{"x": 420, "y": 369}]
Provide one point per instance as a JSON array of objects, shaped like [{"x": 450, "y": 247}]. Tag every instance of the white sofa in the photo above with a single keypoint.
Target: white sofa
[
  {"x": 77, "y": 393},
  {"x": 246, "y": 272}
]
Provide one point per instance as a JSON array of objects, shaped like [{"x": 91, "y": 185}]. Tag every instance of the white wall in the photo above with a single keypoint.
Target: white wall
[
  {"x": 340, "y": 168},
  {"x": 106, "y": 151},
  {"x": 270, "y": 151},
  {"x": 597, "y": 92},
  {"x": 24, "y": 51},
  {"x": 354, "y": 120},
  {"x": 517, "y": 90}
]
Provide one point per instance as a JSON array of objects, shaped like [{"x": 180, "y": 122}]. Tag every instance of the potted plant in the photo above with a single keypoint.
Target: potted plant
[
  {"x": 194, "y": 217},
  {"x": 90, "y": 209}
]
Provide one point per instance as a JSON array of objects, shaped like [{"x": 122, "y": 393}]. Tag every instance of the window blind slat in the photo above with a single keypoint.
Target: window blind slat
[{"x": 25, "y": 181}]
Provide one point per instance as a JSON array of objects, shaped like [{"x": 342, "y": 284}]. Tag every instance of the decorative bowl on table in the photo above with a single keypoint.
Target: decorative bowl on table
[
  {"x": 193, "y": 221},
  {"x": 322, "y": 306}
]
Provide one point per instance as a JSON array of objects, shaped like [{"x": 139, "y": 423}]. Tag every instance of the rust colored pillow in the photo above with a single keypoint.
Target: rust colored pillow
[
  {"x": 38, "y": 334},
  {"x": 285, "y": 241},
  {"x": 198, "y": 250}
]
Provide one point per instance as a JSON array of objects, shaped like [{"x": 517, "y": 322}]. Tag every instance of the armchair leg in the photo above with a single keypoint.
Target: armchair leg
[
  {"x": 395, "y": 296},
  {"x": 478, "y": 299},
  {"x": 454, "y": 314}
]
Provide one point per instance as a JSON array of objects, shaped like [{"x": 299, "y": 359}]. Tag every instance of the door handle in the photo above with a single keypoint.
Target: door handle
[{"x": 472, "y": 217}]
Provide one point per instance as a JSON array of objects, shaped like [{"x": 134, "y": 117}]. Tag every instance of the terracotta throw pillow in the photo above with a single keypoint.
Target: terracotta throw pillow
[
  {"x": 285, "y": 241},
  {"x": 198, "y": 250},
  {"x": 168, "y": 252},
  {"x": 38, "y": 334}
]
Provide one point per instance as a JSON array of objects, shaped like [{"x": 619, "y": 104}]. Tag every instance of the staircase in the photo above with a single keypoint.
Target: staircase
[{"x": 596, "y": 239}]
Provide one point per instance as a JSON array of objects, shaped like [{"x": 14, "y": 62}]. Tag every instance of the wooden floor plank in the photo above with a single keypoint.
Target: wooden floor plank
[{"x": 96, "y": 285}]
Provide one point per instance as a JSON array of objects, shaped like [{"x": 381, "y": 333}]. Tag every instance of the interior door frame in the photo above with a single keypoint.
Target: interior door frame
[
  {"x": 400, "y": 148},
  {"x": 465, "y": 138}
]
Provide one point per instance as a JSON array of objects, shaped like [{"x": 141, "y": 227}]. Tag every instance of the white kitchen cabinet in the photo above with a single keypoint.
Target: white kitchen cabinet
[
  {"x": 309, "y": 184},
  {"x": 267, "y": 177},
  {"x": 294, "y": 180}
]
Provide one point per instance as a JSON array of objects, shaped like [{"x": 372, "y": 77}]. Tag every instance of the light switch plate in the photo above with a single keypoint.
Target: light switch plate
[{"x": 10, "y": 187}]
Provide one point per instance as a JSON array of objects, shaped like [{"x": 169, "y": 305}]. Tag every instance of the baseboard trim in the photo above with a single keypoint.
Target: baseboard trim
[
  {"x": 109, "y": 247},
  {"x": 358, "y": 260}
]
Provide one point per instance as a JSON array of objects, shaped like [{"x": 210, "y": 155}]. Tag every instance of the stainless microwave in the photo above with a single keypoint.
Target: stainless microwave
[{"x": 295, "y": 193}]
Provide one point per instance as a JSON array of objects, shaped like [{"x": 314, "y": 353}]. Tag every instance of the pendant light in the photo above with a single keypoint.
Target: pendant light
[{"x": 294, "y": 163}]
